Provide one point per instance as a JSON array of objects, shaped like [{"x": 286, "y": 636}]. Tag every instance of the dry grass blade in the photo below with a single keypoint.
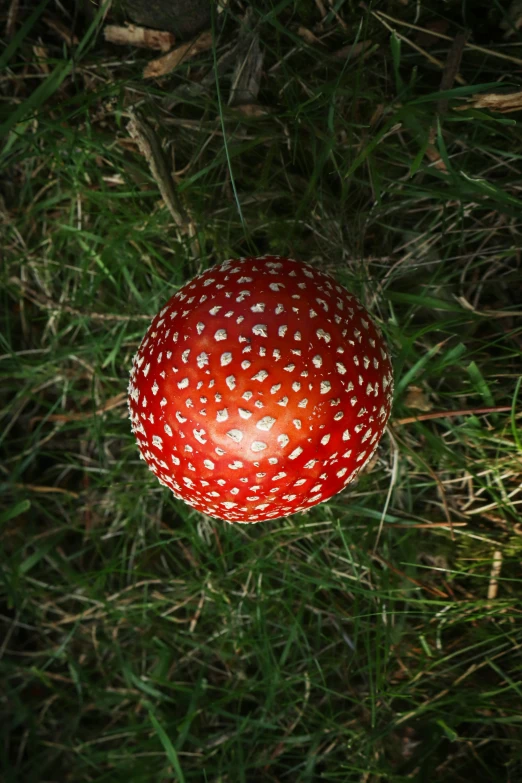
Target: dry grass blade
[
  {"x": 38, "y": 489},
  {"x": 473, "y": 47},
  {"x": 40, "y": 300},
  {"x": 150, "y": 146},
  {"x": 429, "y": 57},
  {"x": 62, "y": 30},
  {"x": 12, "y": 16},
  {"x": 423, "y": 586}
]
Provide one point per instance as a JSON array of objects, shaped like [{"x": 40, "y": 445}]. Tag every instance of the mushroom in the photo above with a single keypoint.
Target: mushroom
[{"x": 261, "y": 389}]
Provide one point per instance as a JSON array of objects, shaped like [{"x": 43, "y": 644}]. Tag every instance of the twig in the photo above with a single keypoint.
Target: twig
[
  {"x": 40, "y": 300},
  {"x": 496, "y": 567},
  {"x": 444, "y": 414},
  {"x": 113, "y": 402},
  {"x": 433, "y": 590},
  {"x": 12, "y": 16},
  {"x": 472, "y": 47},
  {"x": 45, "y": 490},
  {"x": 133, "y": 35},
  {"x": 427, "y": 525},
  {"x": 170, "y": 61}
]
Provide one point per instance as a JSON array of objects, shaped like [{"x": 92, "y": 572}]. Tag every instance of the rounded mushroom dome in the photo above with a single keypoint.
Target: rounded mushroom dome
[{"x": 260, "y": 389}]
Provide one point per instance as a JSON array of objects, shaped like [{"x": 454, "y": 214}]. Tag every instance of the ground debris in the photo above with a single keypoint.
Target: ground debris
[
  {"x": 144, "y": 37},
  {"x": 170, "y": 61},
  {"x": 505, "y": 103}
]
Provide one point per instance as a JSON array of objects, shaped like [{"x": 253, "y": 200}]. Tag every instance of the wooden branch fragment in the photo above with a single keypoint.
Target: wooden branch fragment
[
  {"x": 496, "y": 568},
  {"x": 133, "y": 35},
  {"x": 501, "y": 102},
  {"x": 163, "y": 65}
]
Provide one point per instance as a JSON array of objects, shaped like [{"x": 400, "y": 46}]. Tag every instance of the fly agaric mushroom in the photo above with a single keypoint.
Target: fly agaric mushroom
[{"x": 260, "y": 389}]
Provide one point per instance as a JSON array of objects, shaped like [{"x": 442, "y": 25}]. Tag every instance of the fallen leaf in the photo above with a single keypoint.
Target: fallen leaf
[
  {"x": 132, "y": 35},
  {"x": 163, "y": 65},
  {"x": 252, "y": 110},
  {"x": 418, "y": 399},
  {"x": 353, "y": 50},
  {"x": 308, "y": 36}
]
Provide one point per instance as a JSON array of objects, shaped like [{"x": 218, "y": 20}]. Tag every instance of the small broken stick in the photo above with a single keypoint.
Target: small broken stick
[{"x": 132, "y": 35}]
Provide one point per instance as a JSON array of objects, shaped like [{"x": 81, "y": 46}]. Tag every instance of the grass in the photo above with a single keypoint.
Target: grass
[{"x": 376, "y": 637}]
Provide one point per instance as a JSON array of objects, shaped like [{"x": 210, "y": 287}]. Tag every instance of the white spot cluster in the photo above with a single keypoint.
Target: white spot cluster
[{"x": 250, "y": 439}]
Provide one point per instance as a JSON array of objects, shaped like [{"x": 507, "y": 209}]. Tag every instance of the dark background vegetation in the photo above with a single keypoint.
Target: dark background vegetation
[{"x": 376, "y": 637}]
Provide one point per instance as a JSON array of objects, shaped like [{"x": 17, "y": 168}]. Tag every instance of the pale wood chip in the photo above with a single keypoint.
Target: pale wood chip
[
  {"x": 501, "y": 102},
  {"x": 496, "y": 567},
  {"x": 133, "y": 35},
  {"x": 166, "y": 64}
]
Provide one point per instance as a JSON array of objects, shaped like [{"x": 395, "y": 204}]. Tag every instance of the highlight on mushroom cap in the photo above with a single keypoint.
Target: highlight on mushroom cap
[{"x": 260, "y": 389}]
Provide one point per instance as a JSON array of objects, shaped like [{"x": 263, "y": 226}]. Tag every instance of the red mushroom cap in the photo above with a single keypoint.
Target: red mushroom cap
[{"x": 260, "y": 389}]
